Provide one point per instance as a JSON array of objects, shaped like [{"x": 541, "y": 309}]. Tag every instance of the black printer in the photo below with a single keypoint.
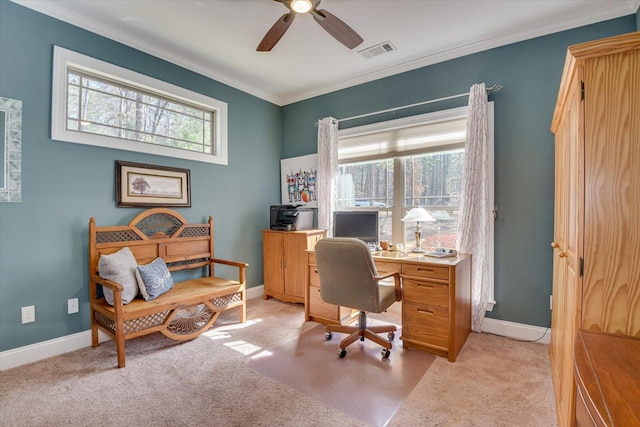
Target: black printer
[{"x": 291, "y": 218}]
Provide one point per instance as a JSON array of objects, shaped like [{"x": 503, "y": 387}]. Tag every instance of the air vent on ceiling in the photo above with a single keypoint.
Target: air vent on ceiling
[{"x": 377, "y": 50}]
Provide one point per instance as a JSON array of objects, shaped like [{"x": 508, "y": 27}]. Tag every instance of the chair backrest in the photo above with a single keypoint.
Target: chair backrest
[{"x": 347, "y": 270}]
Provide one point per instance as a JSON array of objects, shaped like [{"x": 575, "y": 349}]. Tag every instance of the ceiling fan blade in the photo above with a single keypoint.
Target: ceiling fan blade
[
  {"x": 338, "y": 29},
  {"x": 276, "y": 32}
]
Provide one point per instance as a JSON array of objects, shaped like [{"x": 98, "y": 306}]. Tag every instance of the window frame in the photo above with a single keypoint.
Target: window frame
[
  {"x": 63, "y": 59},
  {"x": 398, "y": 210}
]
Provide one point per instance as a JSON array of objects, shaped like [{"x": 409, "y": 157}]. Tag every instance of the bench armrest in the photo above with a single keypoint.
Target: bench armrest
[
  {"x": 241, "y": 266},
  {"x": 227, "y": 262},
  {"x": 396, "y": 278},
  {"x": 107, "y": 283}
]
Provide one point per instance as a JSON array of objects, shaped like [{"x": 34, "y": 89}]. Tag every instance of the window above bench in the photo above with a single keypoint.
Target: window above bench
[{"x": 101, "y": 104}]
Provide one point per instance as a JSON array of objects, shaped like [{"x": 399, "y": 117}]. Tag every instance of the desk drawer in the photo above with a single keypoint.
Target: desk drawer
[
  {"x": 430, "y": 271},
  {"x": 314, "y": 277},
  {"x": 317, "y": 307},
  {"x": 385, "y": 267},
  {"x": 425, "y": 292},
  {"x": 311, "y": 257},
  {"x": 426, "y": 324}
]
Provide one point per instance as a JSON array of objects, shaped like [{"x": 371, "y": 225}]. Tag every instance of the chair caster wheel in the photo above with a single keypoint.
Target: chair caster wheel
[
  {"x": 391, "y": 336},
  {"x": 328, "y": 336},
  {"x": 361, "y": 338},
  {"x": 342, "y": 353},
  {"x": 385, "y": 353}
]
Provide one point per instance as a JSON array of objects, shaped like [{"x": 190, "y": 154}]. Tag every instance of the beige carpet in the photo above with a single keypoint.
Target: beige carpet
[
  {"x": 494, "y": 382},
  {"x": 363, "y": 385}
]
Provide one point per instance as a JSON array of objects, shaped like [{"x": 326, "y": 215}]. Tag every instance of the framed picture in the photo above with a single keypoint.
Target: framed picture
[
  {"x": 138, "y": 184},
  {"x": 298, "y": 181}
]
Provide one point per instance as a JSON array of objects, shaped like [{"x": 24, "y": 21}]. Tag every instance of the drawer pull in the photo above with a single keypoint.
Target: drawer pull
[
  {"x": 315, "y": 271},
  {"x": 422, "y": 285},
  {"x": 430, "y": 313},
  {"x": 428, "y": 270}
]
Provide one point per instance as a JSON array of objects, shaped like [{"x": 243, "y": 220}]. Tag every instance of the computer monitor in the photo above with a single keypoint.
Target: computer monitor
[{"x": 361, "y": 225}]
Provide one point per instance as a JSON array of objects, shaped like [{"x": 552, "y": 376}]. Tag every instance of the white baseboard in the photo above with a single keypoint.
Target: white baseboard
[
  {"x": 518, "y": 331},
  {"x": 255, "y": 292},
  {"x": 54, "y": 347},
  {"x": 43, "y": 350}
]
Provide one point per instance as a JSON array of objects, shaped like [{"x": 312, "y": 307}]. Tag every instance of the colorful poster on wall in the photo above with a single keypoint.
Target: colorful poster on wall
[{"x": 298, "y": 180}]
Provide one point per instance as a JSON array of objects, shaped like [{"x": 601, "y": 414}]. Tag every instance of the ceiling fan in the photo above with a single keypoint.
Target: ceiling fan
[{"x": 334, "y": 26}]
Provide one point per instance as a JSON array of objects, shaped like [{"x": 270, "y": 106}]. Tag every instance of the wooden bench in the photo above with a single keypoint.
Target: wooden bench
[{"x": 184, "y": 312}]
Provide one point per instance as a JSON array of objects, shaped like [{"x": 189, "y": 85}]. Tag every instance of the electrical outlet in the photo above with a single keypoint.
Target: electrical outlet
[
  {"x": 550, "y": 302},
  {"x": 72, "y": 305},
  {"x": 28, "y": 314}
]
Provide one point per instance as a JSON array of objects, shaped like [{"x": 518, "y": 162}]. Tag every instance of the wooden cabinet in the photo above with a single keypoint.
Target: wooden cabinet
[
  {"x": 436, "y": 305},
  {"x": 285, "y": 262},
  {"x": 597, "y": 180}
]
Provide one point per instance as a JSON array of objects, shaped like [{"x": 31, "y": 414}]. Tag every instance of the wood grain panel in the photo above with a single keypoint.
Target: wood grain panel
[
  {"x": 612, "y": 196},
  {"x": 608, "y": 376},
  {"x": 176, "y": 249}
]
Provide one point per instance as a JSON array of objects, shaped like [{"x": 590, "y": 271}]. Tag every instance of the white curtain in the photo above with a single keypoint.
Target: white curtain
[
  {"x": 475, "y": 212},
  {"x": 327, "y": 172}
]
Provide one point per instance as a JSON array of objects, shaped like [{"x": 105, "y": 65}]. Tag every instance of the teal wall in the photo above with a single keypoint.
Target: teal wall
[
  {"x": 43, "y": 240},
  {"x": 530, "y": 72}
]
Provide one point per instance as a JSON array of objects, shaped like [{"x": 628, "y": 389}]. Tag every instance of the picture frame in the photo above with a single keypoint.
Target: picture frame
[
  {"x": 142, "y": 185},
  {"x": 298, "y": 180}
]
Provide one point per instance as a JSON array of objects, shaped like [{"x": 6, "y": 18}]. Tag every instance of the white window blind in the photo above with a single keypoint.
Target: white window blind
[{"x": 405, "y": 137}]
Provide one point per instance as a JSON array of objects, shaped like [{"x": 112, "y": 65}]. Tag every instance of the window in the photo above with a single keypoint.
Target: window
[
  {"x": 393, "y": 166},
  {"x": 97, "y": 103}
]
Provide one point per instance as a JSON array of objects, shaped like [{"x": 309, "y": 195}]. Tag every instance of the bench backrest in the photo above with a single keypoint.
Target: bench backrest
[{"x": 155, "y": 233}]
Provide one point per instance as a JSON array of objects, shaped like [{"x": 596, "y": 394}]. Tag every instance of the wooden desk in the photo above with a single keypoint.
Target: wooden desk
[
  {"x": 607, "y": 370},
  {"x": 436, "y": 301}
]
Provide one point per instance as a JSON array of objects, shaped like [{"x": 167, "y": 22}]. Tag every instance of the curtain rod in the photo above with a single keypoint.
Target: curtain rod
[{"x": 494, "y": 88}]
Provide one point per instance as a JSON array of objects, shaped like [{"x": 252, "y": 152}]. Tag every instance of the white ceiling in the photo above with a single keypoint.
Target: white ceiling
[{"x": 218, "y": 38}]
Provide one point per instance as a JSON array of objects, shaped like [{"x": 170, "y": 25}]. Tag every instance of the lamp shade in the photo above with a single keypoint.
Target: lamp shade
[{"x": 418, "y": 214}]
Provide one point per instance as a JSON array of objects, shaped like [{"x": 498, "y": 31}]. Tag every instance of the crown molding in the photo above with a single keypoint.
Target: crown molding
[
  {"x": 48, "y": 7},
  {"x": 616, "y": 10}
]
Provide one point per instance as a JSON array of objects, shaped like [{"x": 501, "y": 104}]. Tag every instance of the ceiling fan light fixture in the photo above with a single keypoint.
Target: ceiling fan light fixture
[{"x": 301, "y": 6}]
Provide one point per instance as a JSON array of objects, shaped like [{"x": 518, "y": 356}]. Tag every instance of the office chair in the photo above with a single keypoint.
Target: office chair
[{"x": 348, "y": 277}]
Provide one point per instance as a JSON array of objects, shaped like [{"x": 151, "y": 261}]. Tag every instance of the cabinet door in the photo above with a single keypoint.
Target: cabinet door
[
  {"x": 612, "y": 194},
  {"x": 295, "y": 261},
  {"x": 567, "y": 234},
  {"x": 273, "y": 262}
]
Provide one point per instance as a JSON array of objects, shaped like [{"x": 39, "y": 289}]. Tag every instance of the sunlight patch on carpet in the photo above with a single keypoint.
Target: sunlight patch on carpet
[{"x": 363, "y": 385}]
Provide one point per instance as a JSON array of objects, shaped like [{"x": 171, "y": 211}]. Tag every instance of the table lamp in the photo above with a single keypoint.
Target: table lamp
[{"x": 418, "y": 214}]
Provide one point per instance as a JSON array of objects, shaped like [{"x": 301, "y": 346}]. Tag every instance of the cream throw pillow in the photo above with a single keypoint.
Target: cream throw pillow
[{"x": 119, "y": 267}]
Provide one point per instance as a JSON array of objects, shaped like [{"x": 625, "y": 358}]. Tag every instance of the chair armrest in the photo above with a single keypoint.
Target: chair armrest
[
  {"x": 116, "y": 287},
  {"x": 396, "y": 279}
]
